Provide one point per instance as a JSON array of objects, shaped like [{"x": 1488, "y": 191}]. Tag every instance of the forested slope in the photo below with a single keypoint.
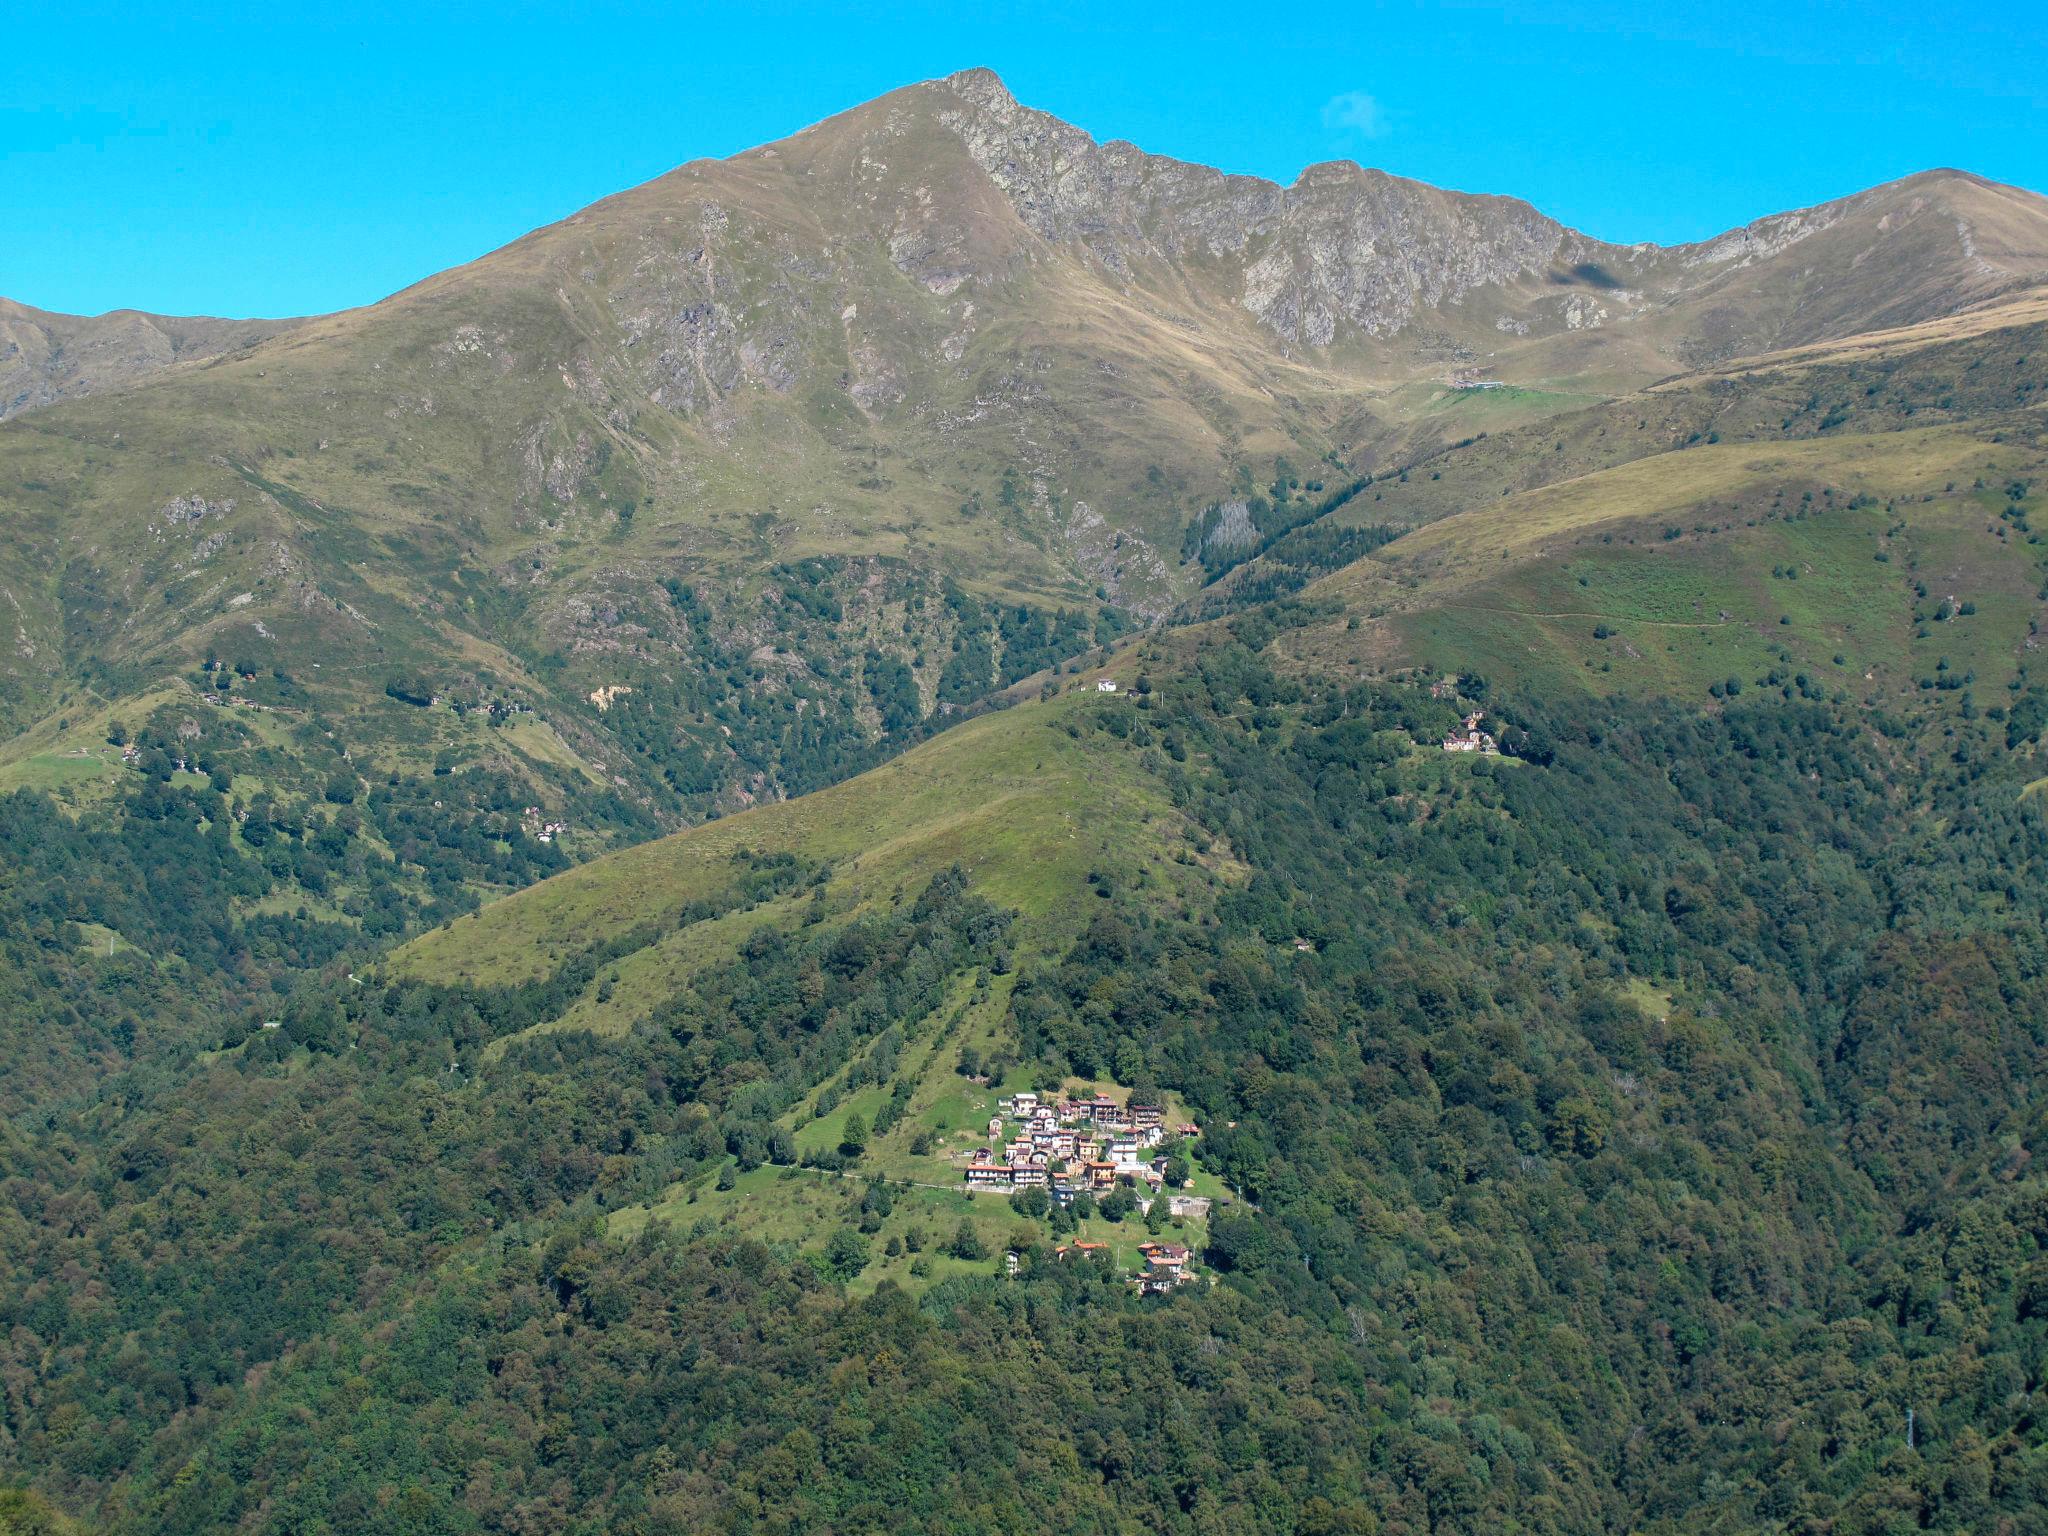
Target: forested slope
[{"x": 1641, "y": 1130}]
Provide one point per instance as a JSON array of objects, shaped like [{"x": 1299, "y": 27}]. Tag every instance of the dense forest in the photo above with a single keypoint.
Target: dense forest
[{"x": 1628, "y": 1131}]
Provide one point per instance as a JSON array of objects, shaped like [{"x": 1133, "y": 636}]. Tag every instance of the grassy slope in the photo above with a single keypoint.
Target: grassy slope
[
  {"x": 1805, "y": 512},
  {"x": 1011, "y": 797},
  {"x": 1688, "y": 561}
]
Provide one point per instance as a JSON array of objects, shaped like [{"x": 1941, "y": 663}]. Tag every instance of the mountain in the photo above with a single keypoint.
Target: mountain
[
  {"x": 550, "y": 814},
  {"x": 956, "y": 185},
  {"x": 45, "y": 357},
  {"x": 788, "y": 458}
]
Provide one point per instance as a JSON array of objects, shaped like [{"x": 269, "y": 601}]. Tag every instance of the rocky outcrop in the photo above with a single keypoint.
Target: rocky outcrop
[
  {"x": 1348, "y": 253},
  {"x": 1342, "y": 249}
]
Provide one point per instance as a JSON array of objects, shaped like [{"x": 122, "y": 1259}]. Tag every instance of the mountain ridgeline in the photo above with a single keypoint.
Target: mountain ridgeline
[{"x": 1476, "y": 797}]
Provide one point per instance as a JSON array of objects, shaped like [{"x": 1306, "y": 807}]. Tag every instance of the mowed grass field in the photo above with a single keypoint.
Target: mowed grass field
[{"x": 799, "y": 1208}]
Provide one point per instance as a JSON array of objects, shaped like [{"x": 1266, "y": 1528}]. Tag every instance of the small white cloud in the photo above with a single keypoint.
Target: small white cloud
[{"x": 1354, "y": 112}]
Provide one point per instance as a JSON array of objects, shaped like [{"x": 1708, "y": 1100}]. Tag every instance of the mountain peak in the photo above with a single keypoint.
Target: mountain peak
[
  {"x": 953, "y": 183},
  {"x": 980, "y": 81}
]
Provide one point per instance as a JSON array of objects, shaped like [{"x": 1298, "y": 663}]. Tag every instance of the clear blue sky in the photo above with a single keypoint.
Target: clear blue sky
[{"x": 201, "y": 158}]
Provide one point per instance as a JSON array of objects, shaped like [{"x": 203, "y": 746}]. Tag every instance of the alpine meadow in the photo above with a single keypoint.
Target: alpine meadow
[{"x": 951, "y": 829}]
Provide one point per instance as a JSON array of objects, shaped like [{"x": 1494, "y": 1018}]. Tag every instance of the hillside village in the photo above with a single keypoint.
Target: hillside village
[
  {"x": 1075, "y": 1147},
  {"x": 969, "y": 1178},
  {"x": 1470, "y": 738}
]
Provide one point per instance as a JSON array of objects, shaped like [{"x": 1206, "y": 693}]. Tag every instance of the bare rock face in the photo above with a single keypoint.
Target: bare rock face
[
  {"x": 1348, "y": 253},
  {"x": 1370, "y": 251},
  {"x": 1233, "y": 530},
  {"x": 1343, "y": 248}
]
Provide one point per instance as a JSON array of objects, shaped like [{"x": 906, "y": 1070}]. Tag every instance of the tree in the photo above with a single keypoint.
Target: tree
[
  {"x": 853, "y": 1136},
  {"x": 26, "y": 1513},
  {"x": 1577, "y": 1125},
  {"x": 876, "y": 1204},
  {"x": 1319, "y": 1517},
  {"x": 846, "y": 1255},
  {"x": 967, "y": 1243}
]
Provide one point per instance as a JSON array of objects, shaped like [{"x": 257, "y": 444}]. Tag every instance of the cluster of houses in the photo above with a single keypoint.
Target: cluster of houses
[
  {"x": 534, "y": 826},
  {"x": 1166, "y": 1264},
  {"x": 1471, "y": 738},
  {"x": 132, "y": 752},
  {"x": 1067, "y": 1146}
]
